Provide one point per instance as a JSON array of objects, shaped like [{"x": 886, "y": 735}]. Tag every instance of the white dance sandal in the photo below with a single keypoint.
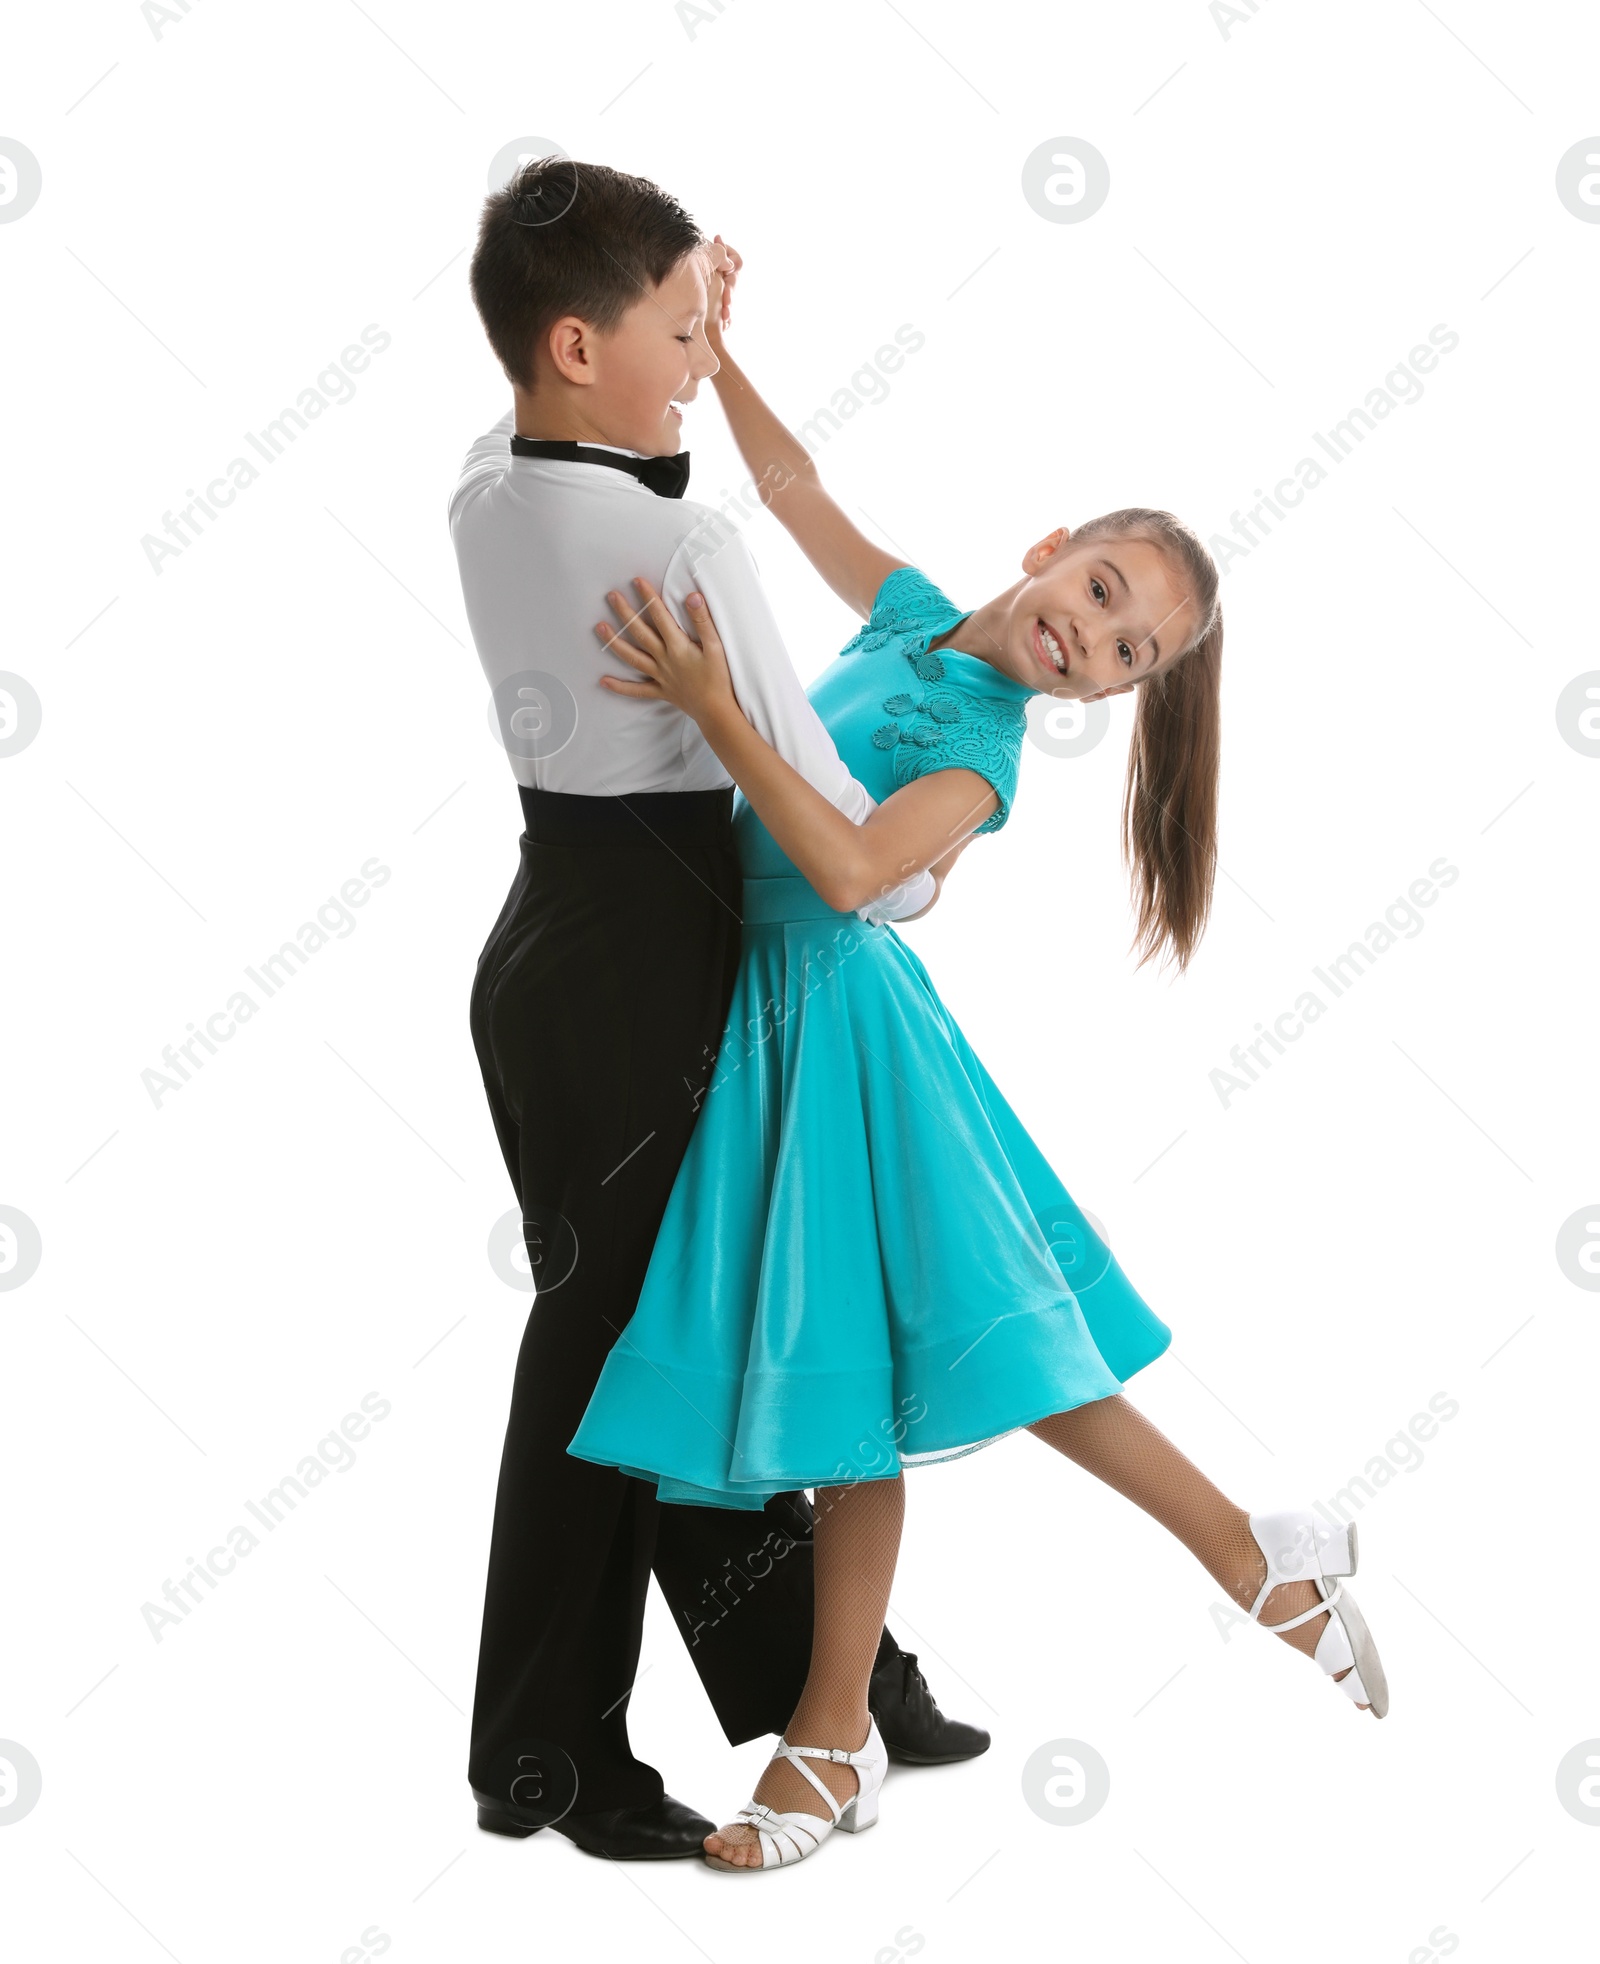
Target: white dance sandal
[
  {"x": 1300, "y": 1547},
  {"x": 789, "y": 1837}
]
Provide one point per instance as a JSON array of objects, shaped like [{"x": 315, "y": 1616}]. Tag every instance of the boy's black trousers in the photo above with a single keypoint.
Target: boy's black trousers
[{"x": 596, "y": 1011}]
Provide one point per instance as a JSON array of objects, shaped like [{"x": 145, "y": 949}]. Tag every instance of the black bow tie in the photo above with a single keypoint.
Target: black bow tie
[{"x": 668, "y": 477}]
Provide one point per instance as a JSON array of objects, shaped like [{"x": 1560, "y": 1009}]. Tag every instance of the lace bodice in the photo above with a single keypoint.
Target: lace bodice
[
  {"x": 941, "y": 721},
  {"x": 899, "y": 710}
]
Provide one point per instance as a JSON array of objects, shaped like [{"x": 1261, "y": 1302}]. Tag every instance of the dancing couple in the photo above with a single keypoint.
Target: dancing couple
[{"x": 786, "y": 1232}]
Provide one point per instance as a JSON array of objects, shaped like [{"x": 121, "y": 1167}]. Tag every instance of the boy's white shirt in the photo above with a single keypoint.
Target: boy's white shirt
[{"x": 539, "y": 542}]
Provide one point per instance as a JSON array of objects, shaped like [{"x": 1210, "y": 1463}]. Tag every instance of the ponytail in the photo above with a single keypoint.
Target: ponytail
[
  {"x": 1169, "y": 801},
  {"x": 1169, "y": 798}
]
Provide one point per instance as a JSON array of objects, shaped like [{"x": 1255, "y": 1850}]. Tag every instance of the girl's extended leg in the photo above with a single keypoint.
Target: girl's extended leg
[
  {"x": 855, "y": 1543},
  {"x": 1115, "y": 1442}
]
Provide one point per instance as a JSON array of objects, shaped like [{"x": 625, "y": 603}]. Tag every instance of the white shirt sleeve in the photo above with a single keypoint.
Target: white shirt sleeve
[
  {"x": 715, "y": 561},
  {"x": 485, "y": 464}
]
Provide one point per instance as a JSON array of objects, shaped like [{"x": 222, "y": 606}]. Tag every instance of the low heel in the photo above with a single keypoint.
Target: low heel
[
  {"x": 492, "y": 1821},
  {"x": 1299, "y": 1546},
  {"x": 1339, "y": 1552},
  {"x": 859, "y": 1814}
]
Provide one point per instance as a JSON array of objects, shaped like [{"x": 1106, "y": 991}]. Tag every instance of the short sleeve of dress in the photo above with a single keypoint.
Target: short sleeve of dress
[
  {"x": 907, "y": 603},
  {"x": 935, "y": 724},
  {"x": 952, "y": 730}
]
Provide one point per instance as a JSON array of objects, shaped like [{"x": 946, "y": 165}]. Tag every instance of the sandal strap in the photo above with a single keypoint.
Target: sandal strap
[
  {"x": 775, "y": 1829},
  {"x": 797, "y": 1756},
  {"x": 1334, "y": 1651},
  {"x": 770, "y": 1826},
  {"x": 1305, "y": 1616},
  {"x": 841, "y": 1753},
  {"x": 1352, "y": 1687}
]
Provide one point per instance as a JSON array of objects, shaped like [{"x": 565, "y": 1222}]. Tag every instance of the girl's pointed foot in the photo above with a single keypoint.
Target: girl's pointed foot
[{"x": 1299, "y": 1593}]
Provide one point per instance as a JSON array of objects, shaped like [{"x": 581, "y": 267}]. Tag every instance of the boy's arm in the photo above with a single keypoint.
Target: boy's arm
[
  {"x": 485, "y": 464},
  {"x": 787, "y": 480},
  {"x": 716, "y": 562}
]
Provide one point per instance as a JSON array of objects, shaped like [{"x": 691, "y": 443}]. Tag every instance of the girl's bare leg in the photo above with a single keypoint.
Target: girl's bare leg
[
  {"x": 1115, "y": 1442},
  {"x": 855, "y": 1543}
]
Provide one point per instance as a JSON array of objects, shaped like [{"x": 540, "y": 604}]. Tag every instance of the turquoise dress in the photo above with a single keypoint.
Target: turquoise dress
[{"x": 866, "y": 1262}]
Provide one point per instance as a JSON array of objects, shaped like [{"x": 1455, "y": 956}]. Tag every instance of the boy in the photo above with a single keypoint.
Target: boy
[{"x": 600, "y": 998}]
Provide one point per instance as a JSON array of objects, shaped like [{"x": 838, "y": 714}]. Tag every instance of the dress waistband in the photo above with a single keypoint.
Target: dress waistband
[
  {"x": 787, "y": 897},
  {"x": 655, "y": 820}
]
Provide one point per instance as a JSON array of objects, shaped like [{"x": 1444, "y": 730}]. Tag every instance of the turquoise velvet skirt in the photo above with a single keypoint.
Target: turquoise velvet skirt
[{"x": 866, "y": 1262}]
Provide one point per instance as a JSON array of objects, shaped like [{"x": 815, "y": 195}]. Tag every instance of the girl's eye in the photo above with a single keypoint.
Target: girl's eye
[
  {"x": 685, "y": 337},
  {"x": 1097, "y": 588},
  {"x": 1125, "y": 653}
]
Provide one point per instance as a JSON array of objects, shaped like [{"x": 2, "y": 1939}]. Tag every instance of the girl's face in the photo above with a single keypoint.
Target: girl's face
[{"x": 1092, "y": 620}]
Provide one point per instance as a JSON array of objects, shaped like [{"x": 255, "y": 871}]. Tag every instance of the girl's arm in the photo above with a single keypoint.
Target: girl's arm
[
  {"x": 787, "y": 482},
  {"x": 940, "y": 869},
  {"x": 924, "y": 824}
]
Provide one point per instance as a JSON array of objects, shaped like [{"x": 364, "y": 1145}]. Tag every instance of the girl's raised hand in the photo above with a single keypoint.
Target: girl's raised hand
[
  {"x": 725, "y": 264},
  {"x": 668, "y": 665}
]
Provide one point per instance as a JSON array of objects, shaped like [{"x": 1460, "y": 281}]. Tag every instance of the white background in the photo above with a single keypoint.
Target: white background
[{"x": 1294, "y": 204}]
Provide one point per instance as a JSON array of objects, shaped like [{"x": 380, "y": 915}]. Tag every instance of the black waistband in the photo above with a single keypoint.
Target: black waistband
[{"x": 659, "y": 819}]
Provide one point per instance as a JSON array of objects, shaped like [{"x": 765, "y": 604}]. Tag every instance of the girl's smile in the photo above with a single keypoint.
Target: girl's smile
[{"x": 1050, "y": 648}]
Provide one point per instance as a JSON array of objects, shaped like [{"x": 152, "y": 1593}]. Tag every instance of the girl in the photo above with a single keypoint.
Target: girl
[{"x": 866, "y": 1261}]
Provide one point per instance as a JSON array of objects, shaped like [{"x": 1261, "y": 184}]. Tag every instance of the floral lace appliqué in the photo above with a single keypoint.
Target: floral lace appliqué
[
  {"x": 907, "y": 603},
  {"x": 951, "y": 730},
  {"x": 939, "y": 727},
  {"x": 988, "y": 740}
]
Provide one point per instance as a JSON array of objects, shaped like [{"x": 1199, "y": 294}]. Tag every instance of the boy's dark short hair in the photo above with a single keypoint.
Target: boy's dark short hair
[{"x": 568, "y": 238}]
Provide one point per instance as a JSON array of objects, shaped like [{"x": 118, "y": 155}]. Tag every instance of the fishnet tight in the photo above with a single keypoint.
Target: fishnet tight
[
  {"x": 856, "y": 1542},
  {"x": 1115, "y": 1442}
]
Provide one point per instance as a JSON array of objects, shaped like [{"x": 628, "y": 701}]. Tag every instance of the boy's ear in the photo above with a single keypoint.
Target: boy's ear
[{"x": 571, "y": 346}]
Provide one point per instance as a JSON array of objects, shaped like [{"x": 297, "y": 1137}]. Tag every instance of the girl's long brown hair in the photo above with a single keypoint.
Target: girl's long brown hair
[{"x": 1169, "y": 797}]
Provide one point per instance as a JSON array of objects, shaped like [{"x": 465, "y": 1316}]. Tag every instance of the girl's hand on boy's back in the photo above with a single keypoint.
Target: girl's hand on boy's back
[
  {"x": 668, "y": 665},
  {"x": 924, "y": 823}
]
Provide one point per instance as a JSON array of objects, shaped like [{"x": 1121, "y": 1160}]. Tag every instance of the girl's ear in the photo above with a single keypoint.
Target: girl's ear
[{"x": 1046, "y": 550}]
